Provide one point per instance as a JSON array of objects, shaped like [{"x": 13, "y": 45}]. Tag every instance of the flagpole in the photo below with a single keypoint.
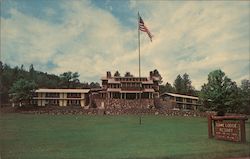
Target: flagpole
[{"x": 139, "y": 65}]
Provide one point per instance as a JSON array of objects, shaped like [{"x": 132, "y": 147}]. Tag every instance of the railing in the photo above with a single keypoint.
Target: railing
[
  {"x": 131, "y": 88},
  {"x": 53, "y": 96},
  {"x": 73, "y": 96}
]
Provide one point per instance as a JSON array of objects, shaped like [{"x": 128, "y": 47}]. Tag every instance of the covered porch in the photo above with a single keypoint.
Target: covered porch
[{"x": 129, "y": 95}]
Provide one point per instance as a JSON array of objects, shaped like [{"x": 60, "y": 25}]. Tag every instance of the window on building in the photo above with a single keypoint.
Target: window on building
[
  {"x": 179, "y": 99},
  {"x": 188, "y": 100}
]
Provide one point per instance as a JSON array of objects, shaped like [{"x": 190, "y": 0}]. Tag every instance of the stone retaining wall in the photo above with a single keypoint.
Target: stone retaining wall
[
  {"x": 122, "y": 104},
  {"x": 135, "y": 103},
  {"x": 108, "y": 111},
  {"x": 166, "y": 104},
  {"x": 165, "y": 112}
]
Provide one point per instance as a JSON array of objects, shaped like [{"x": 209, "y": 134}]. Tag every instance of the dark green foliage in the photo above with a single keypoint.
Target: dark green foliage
[
  {"x": 178, "y": 85},
  {"x": 1, "y": 83},
  {"x": 70, "y": 80},
  {"x": 11, "y": 75},
  {"x": 187, "y": 85},
  {"x": 94, "y": 85},
  {"x": 85, "y": 85},
  {"x": 196, "y": 92},
  {"x": 169, "y": 87},
  {"x": 183, "y": 85},
  {"x": 222, "y": 94},
  {"x": 91, "y": 85},
  {"x": 162, "y": 89},
  {"x": 22, "y": 90},
  {"x": 8, "y": 76},
  {"x": 166, "y": 88},
  {"x": 245, "y": 96},
  {"x": 32, "y": 72}
]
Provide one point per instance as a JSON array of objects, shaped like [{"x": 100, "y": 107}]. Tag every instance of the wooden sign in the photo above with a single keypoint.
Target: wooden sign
[
  {"x": 227, "y": 130},
  {"x": 230, "y": 128}
]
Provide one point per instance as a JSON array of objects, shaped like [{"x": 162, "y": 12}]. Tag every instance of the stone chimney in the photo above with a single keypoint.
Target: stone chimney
[
  {"x": 151, "y": 74},
  {"x": 108, "y": 74}
]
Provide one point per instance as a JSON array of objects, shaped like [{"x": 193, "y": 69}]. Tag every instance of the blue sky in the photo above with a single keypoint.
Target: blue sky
[{"x": 92, "y": 37}]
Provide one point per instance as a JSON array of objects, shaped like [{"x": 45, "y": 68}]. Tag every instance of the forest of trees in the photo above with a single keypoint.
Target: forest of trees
[
  {"x": 181, "y": 85},
  {"x": 12, "y": 79}
]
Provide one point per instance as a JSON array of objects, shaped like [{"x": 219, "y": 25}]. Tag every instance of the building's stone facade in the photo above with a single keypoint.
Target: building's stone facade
[
  {"x": 122, "y": 103},
  {"x": 126, "y": 92}
]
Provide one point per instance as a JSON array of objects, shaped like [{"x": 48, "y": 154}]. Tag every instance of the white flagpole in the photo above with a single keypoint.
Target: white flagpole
[{"x": 140, "y": 118}]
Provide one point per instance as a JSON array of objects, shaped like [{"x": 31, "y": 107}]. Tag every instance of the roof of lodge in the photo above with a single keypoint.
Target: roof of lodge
[
  {"x": 179, "y": 95},
  {"x": 47, "y": 90}
]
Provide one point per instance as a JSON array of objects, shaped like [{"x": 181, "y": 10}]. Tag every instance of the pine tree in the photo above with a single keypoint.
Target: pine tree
[{"x": 178, "y": 84}]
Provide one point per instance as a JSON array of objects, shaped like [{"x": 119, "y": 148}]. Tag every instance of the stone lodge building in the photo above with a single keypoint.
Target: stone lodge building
[
  {"x": 120, "y": 92},
  {"x": 126, "y": 92}
]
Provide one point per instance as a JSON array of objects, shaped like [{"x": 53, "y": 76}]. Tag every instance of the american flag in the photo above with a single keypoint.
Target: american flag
[{"x": 143, "y": 28}]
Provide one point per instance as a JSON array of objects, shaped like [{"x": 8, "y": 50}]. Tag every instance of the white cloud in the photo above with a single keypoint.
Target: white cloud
[
  {"x": 192, "y": 37},
  {"x": 89, "y": 40},
  {"x": 198, "y": 37}
]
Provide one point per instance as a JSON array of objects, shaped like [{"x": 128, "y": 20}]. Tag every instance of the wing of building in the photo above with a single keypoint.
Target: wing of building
[
  {"x": 179, "y": 101},
  {"x": 61, "y": 97}
]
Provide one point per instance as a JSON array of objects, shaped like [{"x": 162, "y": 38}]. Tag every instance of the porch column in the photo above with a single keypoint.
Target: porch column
[{"x": 195, "y": 107}]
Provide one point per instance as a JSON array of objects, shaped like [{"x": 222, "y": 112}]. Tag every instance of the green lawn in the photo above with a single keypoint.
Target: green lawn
[{"x": 76, "y": 136}]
